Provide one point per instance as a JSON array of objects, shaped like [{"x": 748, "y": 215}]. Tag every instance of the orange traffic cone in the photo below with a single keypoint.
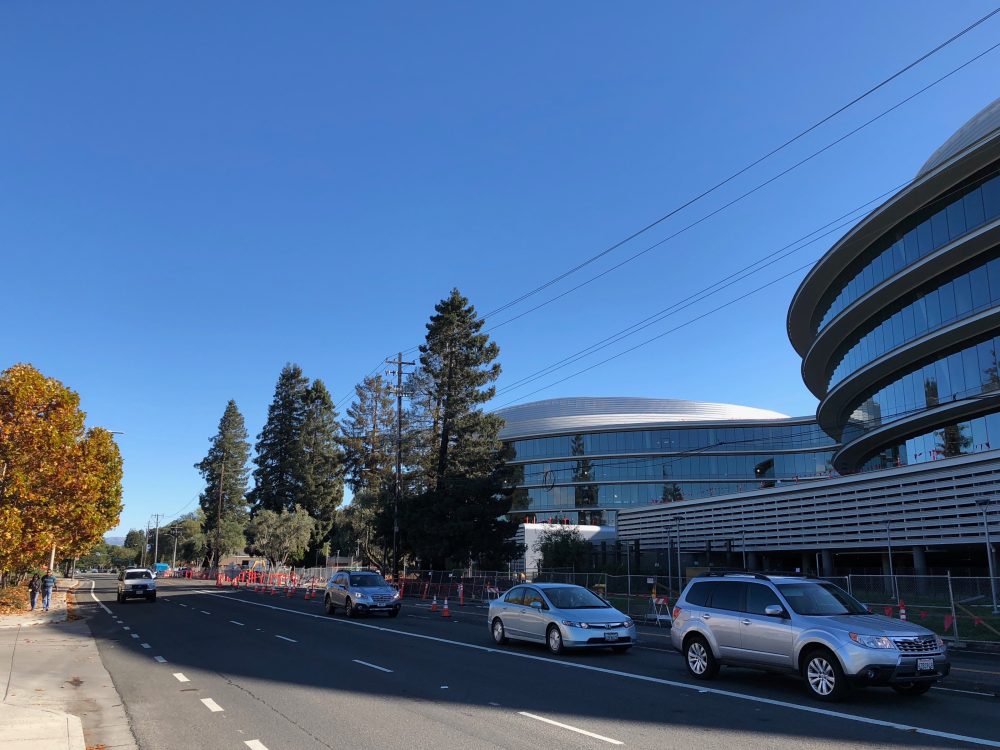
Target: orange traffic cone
[
  {"x": 902, "y": 610},
  {"x": 434, "y": 605},
  {"x": 445, "y": 612}
]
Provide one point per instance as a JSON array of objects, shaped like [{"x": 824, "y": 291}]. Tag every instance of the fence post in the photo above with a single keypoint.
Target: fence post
[
  {"x": 850, "y": 585},
  {"x": 951, "y": 599}
]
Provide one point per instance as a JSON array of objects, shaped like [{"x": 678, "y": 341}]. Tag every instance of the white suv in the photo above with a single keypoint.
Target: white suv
[{"x": 137, "y": 582}]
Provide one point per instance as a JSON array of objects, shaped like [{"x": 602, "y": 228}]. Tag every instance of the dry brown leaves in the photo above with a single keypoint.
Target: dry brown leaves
[{"x": 14, "y": 600}]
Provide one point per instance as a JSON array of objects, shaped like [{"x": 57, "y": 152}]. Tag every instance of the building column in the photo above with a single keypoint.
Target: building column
[
  {"x": 919, "y": 561},
  {"x": 753, "y": 561},
  {"x": 807, "y": 562},
  {"x": 826, "y": 556},
  {"x": 885, "y": 563}
]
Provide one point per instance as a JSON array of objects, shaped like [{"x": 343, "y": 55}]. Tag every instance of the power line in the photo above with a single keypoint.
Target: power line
[{"x": 749, "y": 166}]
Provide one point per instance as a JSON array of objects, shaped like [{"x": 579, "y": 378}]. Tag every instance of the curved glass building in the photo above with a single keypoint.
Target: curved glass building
[
  {"x": 580, "y": 460},
  {"x": 898, "y": 325}
]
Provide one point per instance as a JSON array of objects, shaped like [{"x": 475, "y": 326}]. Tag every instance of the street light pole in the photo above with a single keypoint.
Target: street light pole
[
  {"x": 984, "y": 504},
  {"x": 892, "y": 575}
]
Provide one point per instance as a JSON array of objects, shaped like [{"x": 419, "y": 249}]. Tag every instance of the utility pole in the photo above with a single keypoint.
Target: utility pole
[
  {"x": 218, "y": 517},
  {"x": 399, "y": 363},
  {"x": 156, "y": 539},
  {"x": 145, "y": 544},
  {"x": 176, "y": 532}
]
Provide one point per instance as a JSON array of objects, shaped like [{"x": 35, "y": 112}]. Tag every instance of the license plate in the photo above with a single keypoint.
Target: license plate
[
  {"x": 610, "y": 635},
  {"x": 925, "y": 665}
]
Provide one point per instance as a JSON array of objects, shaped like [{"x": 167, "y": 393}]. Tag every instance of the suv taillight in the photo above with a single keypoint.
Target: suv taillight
[{"x": 676, "y": 613}]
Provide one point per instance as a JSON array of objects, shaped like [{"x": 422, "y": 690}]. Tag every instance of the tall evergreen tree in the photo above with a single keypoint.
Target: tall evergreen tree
[
  {"x": 458, "y": 516},
  {"x": 278, "y": 476},
  {"x": 322, "y": 467},
  {"x": 224, "y": 470}
]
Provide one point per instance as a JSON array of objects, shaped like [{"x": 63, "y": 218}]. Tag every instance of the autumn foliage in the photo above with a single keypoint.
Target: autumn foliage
[{"x": 60, "y": 483}]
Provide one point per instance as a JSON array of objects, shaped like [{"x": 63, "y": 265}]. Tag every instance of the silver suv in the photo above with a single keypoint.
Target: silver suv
[
  {"x": 801, "y": 625},
  {"x": 360, "y": 592}
]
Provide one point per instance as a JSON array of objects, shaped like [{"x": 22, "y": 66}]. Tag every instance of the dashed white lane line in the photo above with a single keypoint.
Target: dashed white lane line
[
  {"x": 571, "y": 728},
  {"x": 373, "y": 666},
  {"x": 183, "y": 605},
  {"x": 290, "y": 640},
  {"x": 135, "y": 635},
  {"x": 814, "y": 710},
  {"x": 145, "y": 645},
  {"x": 212, "y": 705},
  {"x": 255, "y": 744},
  {"x": 205, "y": 613},
  {"x": 125, "y": 628},
  {"x": 159, "y": 659},
  {"x": 234, "y": 622},
  {"x": 180, "y": 677}
]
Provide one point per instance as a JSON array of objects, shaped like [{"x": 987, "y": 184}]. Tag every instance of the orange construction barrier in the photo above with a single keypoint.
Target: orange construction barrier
[
  {"x": 461, "y": 595},
  {"x": 445, "y": 612}
]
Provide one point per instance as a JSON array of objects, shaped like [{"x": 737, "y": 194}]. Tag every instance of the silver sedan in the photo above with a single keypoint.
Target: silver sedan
[{"x": 561, "y": 616}]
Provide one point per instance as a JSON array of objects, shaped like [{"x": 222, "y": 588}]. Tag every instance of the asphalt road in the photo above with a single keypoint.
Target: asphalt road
[{"x": 217, "y": 668}]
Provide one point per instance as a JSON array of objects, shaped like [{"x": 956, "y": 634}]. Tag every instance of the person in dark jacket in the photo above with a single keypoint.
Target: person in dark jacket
[
  {"x": 48, "y": 586},
  {"x": 33, "y": 586}
]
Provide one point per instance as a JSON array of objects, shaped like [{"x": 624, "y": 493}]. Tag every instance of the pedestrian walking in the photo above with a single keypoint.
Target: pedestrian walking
[
  {"x": 48, "y": 586},
  {"x": 33, "y": 585}
]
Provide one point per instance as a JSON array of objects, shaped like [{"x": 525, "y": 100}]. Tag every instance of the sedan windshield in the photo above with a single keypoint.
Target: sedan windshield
[
  {"x": 367, "y": 580},
  {"x": 575, "y": 597},
  {"x": 820, "y": 599}
]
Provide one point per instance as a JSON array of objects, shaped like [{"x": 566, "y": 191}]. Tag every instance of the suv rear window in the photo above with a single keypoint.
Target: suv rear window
[
  {"x": 137, "y": 574},
  {"x": 698, "y": 595}
]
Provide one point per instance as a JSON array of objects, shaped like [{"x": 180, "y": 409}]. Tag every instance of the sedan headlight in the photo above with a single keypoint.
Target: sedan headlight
[
  {"x": 571, "y": 624},
  {"x": 872, "y": 641},
  {"x": 628, "y": 622}
]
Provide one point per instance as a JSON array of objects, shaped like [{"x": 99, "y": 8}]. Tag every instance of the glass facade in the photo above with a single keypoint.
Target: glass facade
[
  {"x": 958, "y": 212},
  {"x": 968, "y": 372},
  {"x": 956, "y": 439},
  {"x": 956, "y": 297},
  {"x": 581, "y": 478}
]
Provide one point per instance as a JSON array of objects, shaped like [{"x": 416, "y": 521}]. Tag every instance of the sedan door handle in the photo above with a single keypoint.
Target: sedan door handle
[
  {"x": 746, "y": 622},
  {"x": 706, "y": 616}
]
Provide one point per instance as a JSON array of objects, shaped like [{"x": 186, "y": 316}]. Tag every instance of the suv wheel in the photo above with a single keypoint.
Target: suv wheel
[
  {"x": 349, "y": 607},
  {"x": 499, "y": 635},
  {"x": 912, "y": 688},
  {"x": 151, "y": 597},
  {"x": 699, "y": 659},
  {"x": 824, "y": 676},
  {"x": 328, "y": 605},
  {"x": 554, "y": 639}
]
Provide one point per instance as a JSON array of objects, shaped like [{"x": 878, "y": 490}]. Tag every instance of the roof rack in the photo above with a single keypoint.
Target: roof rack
[{"x": 755, "y": 574}]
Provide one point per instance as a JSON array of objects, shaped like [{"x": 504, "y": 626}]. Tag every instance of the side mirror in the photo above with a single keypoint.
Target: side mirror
[
  {"x": 536, "y": 604},
  {"x": 774, "y": 610}
]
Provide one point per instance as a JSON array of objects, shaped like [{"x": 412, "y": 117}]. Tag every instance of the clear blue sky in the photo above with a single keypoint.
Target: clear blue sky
[{"x": 192, "y": 195}]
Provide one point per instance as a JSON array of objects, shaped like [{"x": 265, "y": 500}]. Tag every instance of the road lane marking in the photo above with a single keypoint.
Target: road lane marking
[
  {"x": 255, "y": 744},
  {"x": 642, "y": 678},
  {"x": 571, "y": 728},
  {"x": 373, "y": 666},
  {"x": 94, "y": 597},
  {"x": 180, "y": 677},
  {"x": 234, "y": 622},
  {"x": 125, "y": 628},
  {"x": 183, "y": 605},
  {"x": 135, "y": 635},
  {"x": 285, "y": 639},
  {"x": 159, "y": 659},
  {"x": 205, "y": 613},
  {"x": 977, "y": 671},
  {"x": 212, "y": 705},
  {"x": 145, "y": 645},
  {"x": 967, "y": 692}
]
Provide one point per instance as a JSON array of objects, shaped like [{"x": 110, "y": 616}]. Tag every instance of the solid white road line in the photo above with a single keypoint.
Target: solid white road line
[
  {"x": 373, "y": 666},
  {"x": 180, "y": 677},
  {"x": 570, "y": 728},
  {"x": 642, "y": 678},
  {"x": 145, "y": 645},
  {"x": 255, "y": 744},
  {"x": 212, "y": 705},
  {"x": 92, "y": 596},
  {"x": 159, "y": 659},
  {"x": 967, "y": 692},
  {"x": 285, "y": 639},
  {"x": 234, "y": 622}
]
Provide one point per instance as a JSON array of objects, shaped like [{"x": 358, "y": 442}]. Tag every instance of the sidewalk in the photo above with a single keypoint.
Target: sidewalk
[{"x": 56, "y": 692}]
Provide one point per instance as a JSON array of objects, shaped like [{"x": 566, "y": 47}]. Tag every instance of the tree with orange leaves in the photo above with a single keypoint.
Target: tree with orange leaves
[{"x": 60, "y": 484}]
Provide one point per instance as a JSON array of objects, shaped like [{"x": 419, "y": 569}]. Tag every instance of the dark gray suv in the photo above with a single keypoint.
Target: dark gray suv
[{"x": 802, "y": 625}]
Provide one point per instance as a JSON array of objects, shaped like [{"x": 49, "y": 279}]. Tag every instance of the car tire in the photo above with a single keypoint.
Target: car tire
[
  {"x": 328, "y": 605},
  {"x": 394, "y": 612},
  {"x": 912, "y": 688},
  {"x": 151, "y": 598},
  {"x": 620, "y": 649},
  {"x": 554, "y": 639},
  {"x": 349, "y": 608},
  {"x": 699, "y": 659},
  {"x": 498, "y": 631},
  {"x": 824, "y": 675}
]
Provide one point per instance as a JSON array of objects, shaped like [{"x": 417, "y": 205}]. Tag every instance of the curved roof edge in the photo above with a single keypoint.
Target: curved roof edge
[{"x": 573, "y": 414}]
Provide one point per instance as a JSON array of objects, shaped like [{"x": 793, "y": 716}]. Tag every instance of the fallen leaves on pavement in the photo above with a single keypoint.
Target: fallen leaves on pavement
[{"x": 14, "y": 600}]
